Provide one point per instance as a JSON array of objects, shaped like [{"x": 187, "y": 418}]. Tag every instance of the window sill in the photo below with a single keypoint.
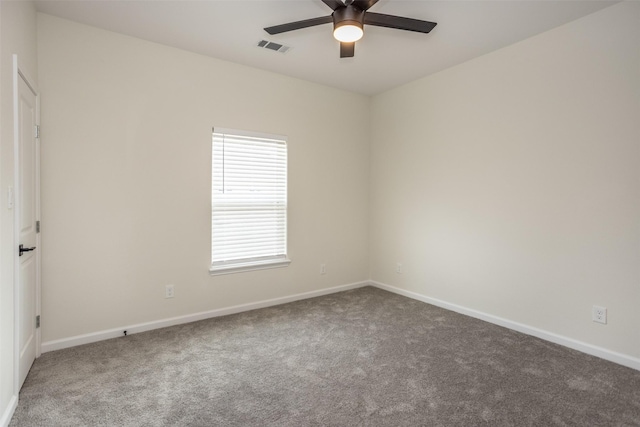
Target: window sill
[{"x": 248, "y": 266}]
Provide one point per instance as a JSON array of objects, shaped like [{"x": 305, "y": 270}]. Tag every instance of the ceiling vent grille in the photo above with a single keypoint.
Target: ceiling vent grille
[{"x": 277, "y": 47}]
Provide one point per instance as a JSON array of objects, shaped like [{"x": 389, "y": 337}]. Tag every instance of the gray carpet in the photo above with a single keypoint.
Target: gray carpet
[{"x": 364, "y": 357}]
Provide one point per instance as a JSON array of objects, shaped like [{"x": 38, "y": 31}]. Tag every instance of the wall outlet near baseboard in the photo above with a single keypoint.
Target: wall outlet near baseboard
[
  {"x": 168, "y": 291},
  {"x": 599, "y": 314},
  {"x": 399, "y": 269},
  {"x": 323, "y": 268}
]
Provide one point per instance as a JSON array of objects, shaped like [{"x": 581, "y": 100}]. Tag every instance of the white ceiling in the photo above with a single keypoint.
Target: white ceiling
[{"x": 384, "y": 58}]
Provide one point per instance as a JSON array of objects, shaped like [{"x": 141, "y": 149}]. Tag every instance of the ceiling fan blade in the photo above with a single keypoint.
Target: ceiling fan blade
[
  {"x": 347, "y": 50},
  {"x": 398, "y": 22},
  {"x": 333, "y": 4},
  {"x": 364, "y": 4},
  {"x": 277, "y": 29}
]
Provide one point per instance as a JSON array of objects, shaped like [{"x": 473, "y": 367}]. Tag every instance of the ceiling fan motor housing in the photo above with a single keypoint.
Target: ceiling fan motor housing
[{"x": 349, "y": 15}]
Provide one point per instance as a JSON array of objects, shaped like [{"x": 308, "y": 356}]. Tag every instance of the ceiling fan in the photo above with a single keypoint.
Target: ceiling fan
[{"x": 348, "y": 21}]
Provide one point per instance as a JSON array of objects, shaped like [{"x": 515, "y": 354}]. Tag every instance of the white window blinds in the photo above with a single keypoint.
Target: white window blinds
[{"x": 248, "y": 200}]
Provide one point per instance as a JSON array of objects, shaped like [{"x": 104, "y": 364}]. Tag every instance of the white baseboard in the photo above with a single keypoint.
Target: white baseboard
[
  {"x": 593, "y": 350},
  {"x": 603, "y": 353},
  {"x": 8, "y": 411},
  {"x": 142, "y": 327}
]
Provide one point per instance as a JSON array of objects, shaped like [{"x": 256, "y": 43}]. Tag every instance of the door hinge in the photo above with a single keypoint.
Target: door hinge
[
  {"x": 37, "y": 226},
  {"x": 37, "y": 321},
  {"x": 37, "y": 131}
]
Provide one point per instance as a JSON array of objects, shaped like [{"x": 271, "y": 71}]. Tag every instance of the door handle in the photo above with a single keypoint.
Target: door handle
[{"x": 22, "y": 249}]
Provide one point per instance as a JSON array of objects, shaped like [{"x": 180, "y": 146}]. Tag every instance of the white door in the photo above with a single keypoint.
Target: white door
[{"x": 27, "y": 214}]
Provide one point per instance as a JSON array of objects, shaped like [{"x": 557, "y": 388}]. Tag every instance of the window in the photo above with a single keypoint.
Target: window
[{"x": 248, "y": 202}]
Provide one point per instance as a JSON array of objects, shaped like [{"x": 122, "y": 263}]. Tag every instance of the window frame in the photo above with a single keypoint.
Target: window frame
[{"x": 261, "y": 262}]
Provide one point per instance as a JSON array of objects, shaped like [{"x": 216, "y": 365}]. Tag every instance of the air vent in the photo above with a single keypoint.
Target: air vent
[{"x": 266, "y": 44}]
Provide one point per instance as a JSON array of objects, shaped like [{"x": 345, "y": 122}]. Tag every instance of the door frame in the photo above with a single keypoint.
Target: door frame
[{"x": 19, "y": 73}]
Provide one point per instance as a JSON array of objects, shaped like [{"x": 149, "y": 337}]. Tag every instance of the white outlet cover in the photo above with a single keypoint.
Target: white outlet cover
[
  {"x": 168, "y": 291},
  {"x": 599, "y": 314}
]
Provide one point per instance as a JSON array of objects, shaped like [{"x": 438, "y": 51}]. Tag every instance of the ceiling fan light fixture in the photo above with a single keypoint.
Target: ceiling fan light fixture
[
  {"x": 348, "y": 23},
  {"x": 348, "y": 32}
]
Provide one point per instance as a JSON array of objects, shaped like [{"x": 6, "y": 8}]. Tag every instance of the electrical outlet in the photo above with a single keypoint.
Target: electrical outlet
[
  {"x": 399, "y": 268},
  {"x": 599, "y": 314},
  {"x": 323, "y": 268},
  {"x": 168, "y": 291}
]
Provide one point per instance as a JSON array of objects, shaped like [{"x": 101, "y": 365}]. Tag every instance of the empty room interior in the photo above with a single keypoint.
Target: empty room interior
[{"x": 221, "y": 213}]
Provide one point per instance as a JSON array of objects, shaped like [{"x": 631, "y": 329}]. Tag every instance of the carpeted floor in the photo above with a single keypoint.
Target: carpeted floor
[{"x": 364, "y": 357}]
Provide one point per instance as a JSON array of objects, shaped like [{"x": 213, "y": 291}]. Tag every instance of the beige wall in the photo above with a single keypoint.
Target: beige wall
[
  {"x": 126, "y": 164},
  {"x": 510, "y": 184},
  {"x": 17, "y": 36}
]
